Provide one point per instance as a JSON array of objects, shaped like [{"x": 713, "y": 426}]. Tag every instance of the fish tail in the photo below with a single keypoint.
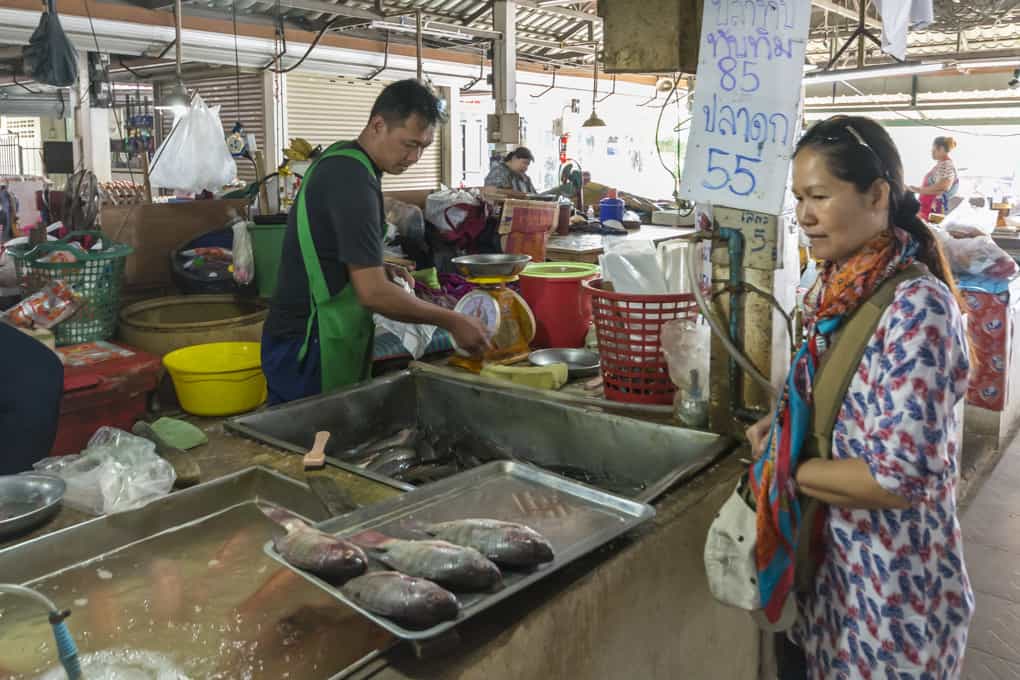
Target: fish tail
[{"x": 285, "y": 518}]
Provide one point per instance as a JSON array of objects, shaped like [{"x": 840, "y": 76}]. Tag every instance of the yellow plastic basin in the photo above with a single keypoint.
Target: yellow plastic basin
[{"x": 218, "y": 379}]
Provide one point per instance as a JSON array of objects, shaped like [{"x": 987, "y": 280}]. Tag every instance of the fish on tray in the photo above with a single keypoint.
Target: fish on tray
[
  {"x": 508, "y": 544},
  {"x": 451, "y": 566},
  {"x": 410, "y": 601},
  {"x": 318, "y": 552}
]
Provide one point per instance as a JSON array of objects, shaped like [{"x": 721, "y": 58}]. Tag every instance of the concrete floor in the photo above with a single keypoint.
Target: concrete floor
[{"x": 991, "y": 530}]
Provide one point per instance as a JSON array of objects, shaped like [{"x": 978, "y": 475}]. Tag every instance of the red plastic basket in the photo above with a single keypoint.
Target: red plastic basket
[{"x": 628, "y": 327}]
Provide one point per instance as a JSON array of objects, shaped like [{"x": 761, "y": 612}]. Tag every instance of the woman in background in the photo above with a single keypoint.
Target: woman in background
[
  {"x": 941, "y": 183},
  {"x": 509, "y": 176}
]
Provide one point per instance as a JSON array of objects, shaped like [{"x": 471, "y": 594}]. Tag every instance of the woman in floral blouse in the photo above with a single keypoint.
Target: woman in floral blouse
[{"x": 891, "y": 597}]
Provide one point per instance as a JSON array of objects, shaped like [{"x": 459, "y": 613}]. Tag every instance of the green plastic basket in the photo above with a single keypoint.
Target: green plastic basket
[{"x": 96, "y": 276}]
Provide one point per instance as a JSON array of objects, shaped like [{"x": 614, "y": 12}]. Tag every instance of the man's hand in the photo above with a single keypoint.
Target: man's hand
[
  {"x": 396, "y": 273},
  {"x": 757, "y": 436},
  {"x": 470, "y": 334}
]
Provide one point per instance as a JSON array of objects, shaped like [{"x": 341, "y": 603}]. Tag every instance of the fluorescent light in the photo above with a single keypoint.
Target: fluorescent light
[
  {"x": 875, "y": 72},
  {"x": 987, "y": 64},
  {"x": 426, "y": 29}
]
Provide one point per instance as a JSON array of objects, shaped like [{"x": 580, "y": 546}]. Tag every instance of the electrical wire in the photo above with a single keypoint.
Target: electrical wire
[
  {"x": 136, "y": 74},
  {"x": 237, "y": 59},
  {"x": 113, "y": 95},
  {"x": 330, "y": 24}
]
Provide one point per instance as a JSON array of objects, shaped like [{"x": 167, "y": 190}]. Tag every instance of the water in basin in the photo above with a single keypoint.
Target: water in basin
[{"x": 204, "y": 598}]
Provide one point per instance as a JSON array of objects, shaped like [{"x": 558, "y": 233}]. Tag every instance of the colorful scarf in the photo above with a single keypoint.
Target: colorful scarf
[{"x": 834, "y": 297}]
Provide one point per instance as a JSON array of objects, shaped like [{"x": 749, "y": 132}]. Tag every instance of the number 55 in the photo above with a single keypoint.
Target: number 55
[
  {"x": 741, "y": 170},
  {"x": 713, "y": 168}
]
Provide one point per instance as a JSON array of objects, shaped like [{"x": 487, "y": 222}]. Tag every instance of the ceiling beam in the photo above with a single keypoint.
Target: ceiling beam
[
  {"x": 572, "y": 13},
  {"x": 330, "y": 8},
  {"x": 835, "y": 8}
]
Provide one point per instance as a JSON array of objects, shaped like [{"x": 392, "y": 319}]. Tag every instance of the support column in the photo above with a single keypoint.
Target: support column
[
  {"x": 453, "y": 145},
  {"x": 504, "y": 60},
  {"x": 91, "y": 128}
]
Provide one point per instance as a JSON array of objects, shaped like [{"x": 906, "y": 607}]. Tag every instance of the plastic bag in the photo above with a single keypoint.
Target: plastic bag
[
  {"x": 116, "y": 472},
  {"x": 685, "y": 344},
  {"x": 967, "y": 220},
  {"x": 194, "y": 157},
  {"x": 407, "y": 218},
  {"x": 977, "y": 256},
  {"x": 244, "y": 256},
  {"x": 52, "y": 305},
  {"x": 413, "y": 336},
  {"x": 447, "y": 209},
  {"x": 633, "y": 268}
]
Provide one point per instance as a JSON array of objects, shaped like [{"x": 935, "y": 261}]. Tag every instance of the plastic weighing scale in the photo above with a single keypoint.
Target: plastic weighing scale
[{"x": 506, "y": 315}]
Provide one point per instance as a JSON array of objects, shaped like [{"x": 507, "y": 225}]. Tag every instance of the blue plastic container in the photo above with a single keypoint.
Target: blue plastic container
[{"x": 611, "y": 208}]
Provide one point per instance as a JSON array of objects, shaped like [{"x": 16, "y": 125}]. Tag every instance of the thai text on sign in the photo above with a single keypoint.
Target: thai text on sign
[{"x": 746, "y": 98}]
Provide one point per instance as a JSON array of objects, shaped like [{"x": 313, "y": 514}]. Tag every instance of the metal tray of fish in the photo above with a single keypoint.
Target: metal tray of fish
[{"x": 575, "y": 519}]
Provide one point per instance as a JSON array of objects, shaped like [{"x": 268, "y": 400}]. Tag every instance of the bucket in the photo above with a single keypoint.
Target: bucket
[
  {"x": 163, "y": 325},
  {"x": 267, "y": 244},
  {"x": 561, "y": 307},
  {"x": 218, "y": 379}
]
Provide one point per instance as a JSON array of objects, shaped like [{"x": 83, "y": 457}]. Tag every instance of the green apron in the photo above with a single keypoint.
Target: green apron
[{"x": 345, "y": 327}]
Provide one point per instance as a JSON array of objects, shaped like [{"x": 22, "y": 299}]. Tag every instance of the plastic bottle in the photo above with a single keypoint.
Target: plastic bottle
[
  {"x": 591, "y": 213},
  {"x": 611, "y": 207},
  {"x": 691, "y": 405}
]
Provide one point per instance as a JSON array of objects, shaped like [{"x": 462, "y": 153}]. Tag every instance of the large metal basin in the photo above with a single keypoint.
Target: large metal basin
[{"x": 552, "y": 434}]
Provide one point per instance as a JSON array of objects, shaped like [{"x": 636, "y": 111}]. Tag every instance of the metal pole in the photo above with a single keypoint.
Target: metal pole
[
  {"x": 862, "y": 7},
  {"x": 178, "y": 13},
  {"x": 418, "y": 41}
]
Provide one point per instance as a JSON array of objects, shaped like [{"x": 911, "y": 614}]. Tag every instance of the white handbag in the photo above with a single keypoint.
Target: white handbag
[{"x": 730, "y": 562}]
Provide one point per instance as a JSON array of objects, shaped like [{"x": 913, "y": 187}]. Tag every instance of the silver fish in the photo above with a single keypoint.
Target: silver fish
[
  {"x": 322, "y": 554},
  {"x": 391, "y": 461},
  {"x": 404, "y": 439},
  {"x": 451, "y": 566},
  {"x": 506, "y": 543},
  {"x": 410, "y": 601}
]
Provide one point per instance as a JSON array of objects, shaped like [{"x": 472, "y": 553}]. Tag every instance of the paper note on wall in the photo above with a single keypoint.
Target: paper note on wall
[{"x": 746, "y": 98}]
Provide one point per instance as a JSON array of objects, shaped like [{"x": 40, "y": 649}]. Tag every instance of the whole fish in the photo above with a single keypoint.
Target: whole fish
[
  {"x": 451, "y": 566},
  {"x": 410, "y": 601},
  {"x": 506, "y": 543},
  {"x": 406, "y": 438},
  {"x": 392, "y": 461},
  {"x": 322, "y": 554}
]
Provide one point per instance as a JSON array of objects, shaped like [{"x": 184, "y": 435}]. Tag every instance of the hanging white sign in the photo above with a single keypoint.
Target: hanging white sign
[{"x": 746, "y": 97}]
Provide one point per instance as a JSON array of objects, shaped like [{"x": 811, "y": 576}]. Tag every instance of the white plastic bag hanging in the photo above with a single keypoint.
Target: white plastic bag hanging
[
  {"x": 194, "y": 156},
  {"x": 447, "y": 208},
  {"x": 244, "y": 255}
]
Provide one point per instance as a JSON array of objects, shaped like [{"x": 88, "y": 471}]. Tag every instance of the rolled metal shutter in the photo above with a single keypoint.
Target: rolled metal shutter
[
  {"x": 221, "y": 89},
  {"x": 324, "y": 109}
]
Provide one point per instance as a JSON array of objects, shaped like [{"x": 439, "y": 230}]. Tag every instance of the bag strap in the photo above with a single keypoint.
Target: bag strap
[{"x": 839, "y": 365}]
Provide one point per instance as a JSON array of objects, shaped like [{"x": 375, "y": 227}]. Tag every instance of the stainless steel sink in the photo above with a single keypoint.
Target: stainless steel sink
[{"x": 556, "y": 434}]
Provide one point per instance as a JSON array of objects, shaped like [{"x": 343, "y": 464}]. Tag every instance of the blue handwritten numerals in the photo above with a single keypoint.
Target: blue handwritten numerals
[
  {"x": 773, "y": 14},
  {"x": 733, "y": 171},
  {"x": 749, "y": 80},
  {"x": 756, "y": 127}
]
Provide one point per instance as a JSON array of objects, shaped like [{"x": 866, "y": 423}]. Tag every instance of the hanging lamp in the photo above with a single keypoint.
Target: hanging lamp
[{"x": 593, "y": 119}]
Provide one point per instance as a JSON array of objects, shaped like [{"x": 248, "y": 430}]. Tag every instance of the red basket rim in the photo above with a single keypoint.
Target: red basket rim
[{"x": 595, "y": 288}]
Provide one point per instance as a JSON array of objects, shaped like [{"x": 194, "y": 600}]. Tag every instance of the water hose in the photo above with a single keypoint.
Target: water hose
[
  {"x": 66, "y": 649},
  {"x": 716, "y": 326}
]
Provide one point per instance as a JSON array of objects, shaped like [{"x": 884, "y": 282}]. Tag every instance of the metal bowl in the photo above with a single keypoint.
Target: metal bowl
[
  {"x": 485, "y": 266},
  {"x": 580, "y": 362},
  {"x": 27, "y": 501}
]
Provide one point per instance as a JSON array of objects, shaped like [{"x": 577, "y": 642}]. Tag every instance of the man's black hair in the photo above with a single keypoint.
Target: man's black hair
[{"x": 404, "y": 98}]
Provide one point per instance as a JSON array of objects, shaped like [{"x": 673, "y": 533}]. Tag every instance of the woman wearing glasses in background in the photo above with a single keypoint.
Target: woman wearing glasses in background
[
  {"x": 890, "y": 595},
  {"x": 941, "y": 183}
]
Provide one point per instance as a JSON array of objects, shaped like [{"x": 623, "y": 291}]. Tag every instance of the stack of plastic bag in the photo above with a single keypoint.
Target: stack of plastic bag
[
  {"x": 414, "y": 337},
  {"x": 966, "y": 238}
]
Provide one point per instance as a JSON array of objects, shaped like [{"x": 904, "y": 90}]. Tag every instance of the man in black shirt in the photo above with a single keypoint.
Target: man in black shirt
[{"x": 319, "y": 332}]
